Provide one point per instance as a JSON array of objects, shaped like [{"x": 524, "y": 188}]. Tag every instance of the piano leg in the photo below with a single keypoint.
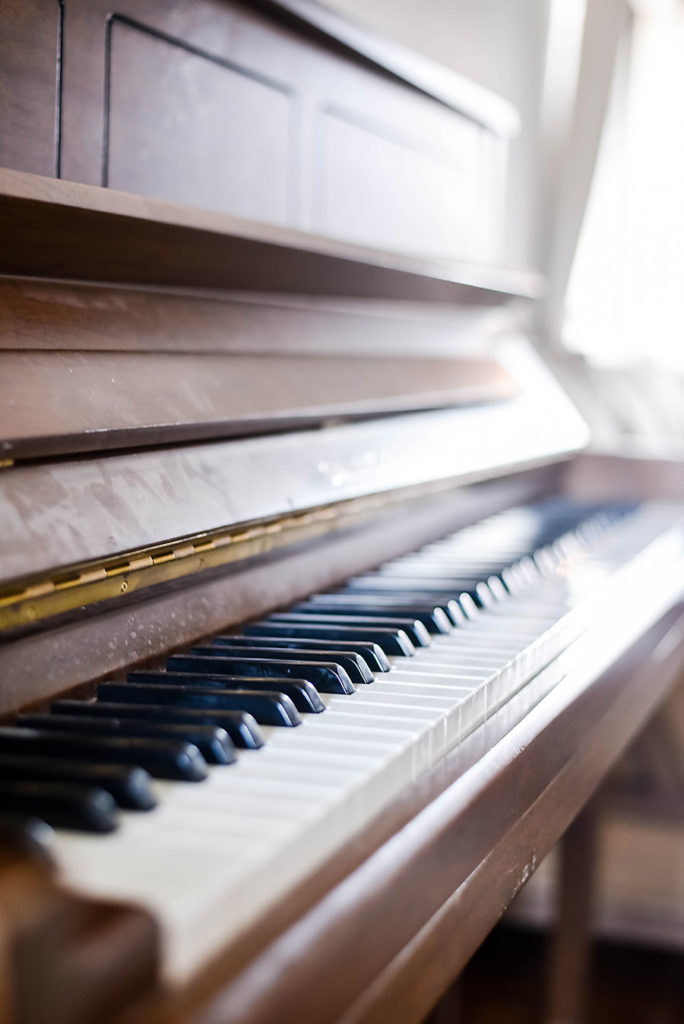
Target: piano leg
[{"x": 570, "y": 954}]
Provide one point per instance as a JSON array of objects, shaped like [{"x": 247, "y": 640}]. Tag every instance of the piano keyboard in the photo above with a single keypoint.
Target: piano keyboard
[{"x": 272, "y": 746}]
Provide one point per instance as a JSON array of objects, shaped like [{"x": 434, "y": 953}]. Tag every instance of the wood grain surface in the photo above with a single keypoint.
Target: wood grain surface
[
  {"x": 63, "y": 229},
  {"x": 56, "y": 403},
  {"x": 37, "y": 667}
]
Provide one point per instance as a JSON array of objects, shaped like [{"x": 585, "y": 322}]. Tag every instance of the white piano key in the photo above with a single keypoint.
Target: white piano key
[{"x": 425, "y": 669}]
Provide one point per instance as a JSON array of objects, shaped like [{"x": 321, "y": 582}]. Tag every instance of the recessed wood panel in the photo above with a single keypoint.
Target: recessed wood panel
[
  {"x": 283, "y": 114},
  {"x": 29, "y": 84},
  {"x": 186, "y": 126},
  {"x": 384, "y": 186}
]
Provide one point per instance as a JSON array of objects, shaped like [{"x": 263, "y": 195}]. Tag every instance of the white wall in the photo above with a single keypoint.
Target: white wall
[{"x": 499, "y": 44}]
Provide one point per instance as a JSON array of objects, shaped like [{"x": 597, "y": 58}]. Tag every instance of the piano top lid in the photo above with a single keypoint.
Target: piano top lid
[
  {"x": 61, "y": 229},
  {"x": 469, "y": 98}
]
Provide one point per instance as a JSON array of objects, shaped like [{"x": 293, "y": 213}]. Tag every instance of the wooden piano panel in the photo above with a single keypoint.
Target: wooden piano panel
[
  {"x": 196, "y": 128},
  {"x": 114, "y": 400},
  {"x": 250, "y": 110},
  {"x": 369, "y": 165},
  {"x": 119, "y": 367},
  {"x": 67, "y": 230},
  {"x": 30, "y": 38}
]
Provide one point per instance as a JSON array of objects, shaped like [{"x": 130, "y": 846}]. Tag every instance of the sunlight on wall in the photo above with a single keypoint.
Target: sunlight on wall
[{"x": 626, "y": 294}]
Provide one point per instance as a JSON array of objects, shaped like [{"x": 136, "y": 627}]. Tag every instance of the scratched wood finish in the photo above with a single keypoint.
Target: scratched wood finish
[
  {"x": 38, "y": 667},
  {"x": 96, "y": 401},
  {"x": 117, "y": 503},
  {"x": 48, "y": 315},
  {"x": 117, "y": 367}
]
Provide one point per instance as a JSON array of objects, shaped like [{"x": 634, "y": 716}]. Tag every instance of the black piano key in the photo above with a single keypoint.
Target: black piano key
[
  {"x": 213, "y": 742},
  {"x": 355, "y": 667},
  {"x": 398, "y": 586},
  {"x": 371, "y": 654},
  {"x": 62, "y": 805},
  {"x": 167, "y": 759},
  {"x": 395, "y": 642},
  {"x": 242, "y": 728},
  {"x": 325, "y": 678},
  {"x": 267, "y": 708},
  {"x": 415, "y": 598},
  {"x": 414, "y": 630},
  {"x": 436, "y": 575},
  {"x": 464, "y": 600},
  {"x": 435, "y": 619},
  {"x": 303, "y": 694},
  {"x": 415, "y": 582},
  {"x": 129, "y": 786}
]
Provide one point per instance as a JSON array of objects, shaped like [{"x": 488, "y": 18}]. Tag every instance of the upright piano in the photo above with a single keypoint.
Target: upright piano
[{"x": 318, "y": 628}]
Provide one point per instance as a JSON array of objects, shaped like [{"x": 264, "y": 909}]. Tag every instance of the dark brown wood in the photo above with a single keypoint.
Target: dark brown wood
[
  {"x": 118, "y": 504},
  {"x": 62, "y": 229},
  {"x": 449, "y": 1009},
  {"x": 58, "y": 316},
  {"x": 30, "y": 52},
  {"x": 284, "y": 131},
  {"x": 95, "y": 401},
  {"x": 64, "y": 959},
  {"x": 569, "y": 963}
]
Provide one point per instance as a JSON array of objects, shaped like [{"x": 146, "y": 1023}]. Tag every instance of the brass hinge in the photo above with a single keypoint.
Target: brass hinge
[{"x": 90, "y": 583}]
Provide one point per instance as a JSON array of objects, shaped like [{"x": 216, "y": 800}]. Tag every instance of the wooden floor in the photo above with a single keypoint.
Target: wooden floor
[{"x": 503, "y": 984}]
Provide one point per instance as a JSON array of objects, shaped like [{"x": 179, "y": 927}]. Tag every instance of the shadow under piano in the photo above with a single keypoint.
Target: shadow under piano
[{"x": 318, "y": 629}]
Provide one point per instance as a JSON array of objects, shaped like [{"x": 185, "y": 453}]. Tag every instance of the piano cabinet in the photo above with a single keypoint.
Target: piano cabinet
[{"x": 207, "y": 418}]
